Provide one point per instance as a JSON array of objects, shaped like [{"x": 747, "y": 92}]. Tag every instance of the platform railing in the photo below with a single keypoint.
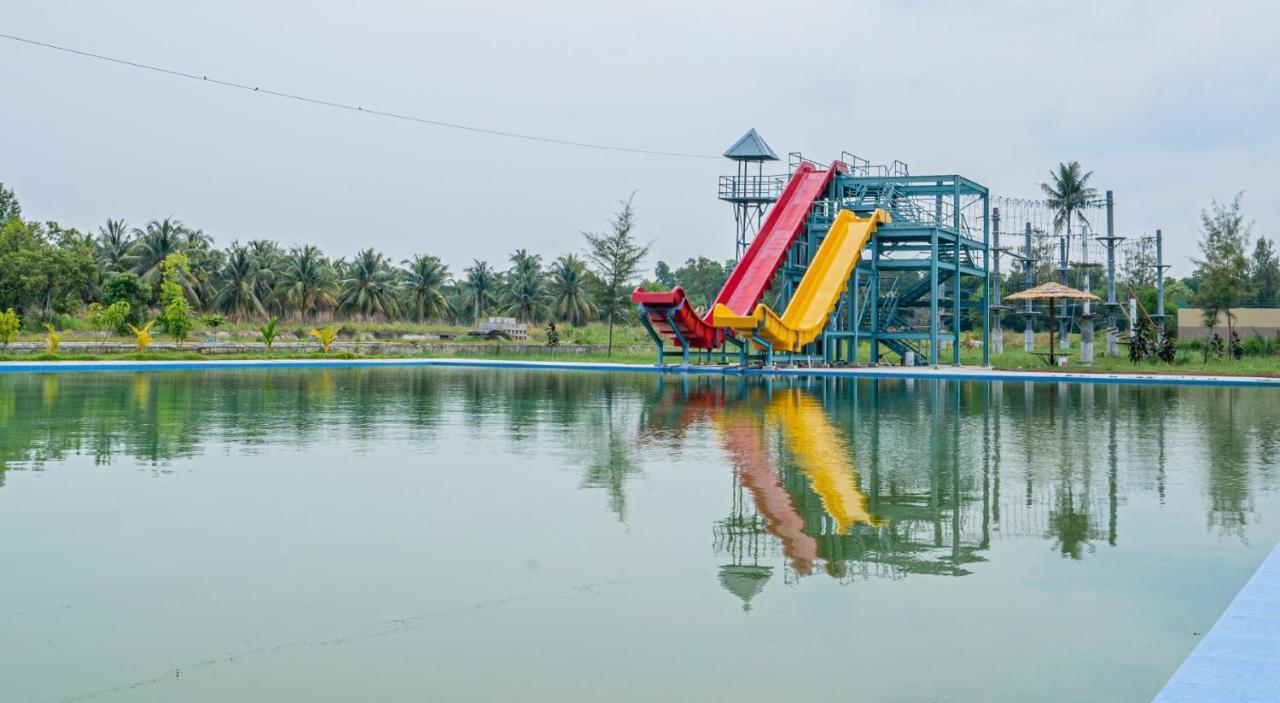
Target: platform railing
[
  {"x": 752, "y": 188},
  {"x": 795, "y": 158}
]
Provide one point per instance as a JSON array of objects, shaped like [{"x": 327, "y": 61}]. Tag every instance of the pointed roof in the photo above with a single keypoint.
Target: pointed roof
[
  {"x": 751, "y": 147},
  {"x": 744, "y": 581}
]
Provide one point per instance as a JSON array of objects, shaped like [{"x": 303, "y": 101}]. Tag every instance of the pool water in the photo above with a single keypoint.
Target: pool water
[{"x": 411, "y": 534}]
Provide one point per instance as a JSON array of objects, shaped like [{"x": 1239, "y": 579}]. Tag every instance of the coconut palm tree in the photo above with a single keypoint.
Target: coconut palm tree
[
  {"x": 570, "y": 299},
  {"x": 205, "y": 263},
  {"x": 480, "y": 284},
  {"x": 1069, "y": 195},
  {"x": 306, "y": 281},
  {"x": 369, "y": 288},
  {"x": 267, "y": 256},
  {"x": 157, "y": 241},
  {"x": 424, "y": 287},
  {"x": 151, "y": 245},
  {"x": 111, "y": 248},
  {"x": 524, "y": 288},
  {"x": 238, "y": 296}
]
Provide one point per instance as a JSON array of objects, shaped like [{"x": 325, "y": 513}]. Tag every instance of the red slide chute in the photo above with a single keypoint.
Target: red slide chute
[{"x": 670, "y": 313}]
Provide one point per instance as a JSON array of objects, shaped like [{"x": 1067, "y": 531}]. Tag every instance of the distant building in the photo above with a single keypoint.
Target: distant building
[
  {"x": 509, "y": 326},
  {"x": 1263, "y": 321}
]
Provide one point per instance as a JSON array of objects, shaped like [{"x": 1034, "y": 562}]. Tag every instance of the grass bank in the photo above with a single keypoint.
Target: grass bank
[{"x": 1188, "y": 361}]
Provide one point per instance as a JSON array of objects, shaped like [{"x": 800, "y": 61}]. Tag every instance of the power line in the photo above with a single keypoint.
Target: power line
[{"x": 354, "y": 108}]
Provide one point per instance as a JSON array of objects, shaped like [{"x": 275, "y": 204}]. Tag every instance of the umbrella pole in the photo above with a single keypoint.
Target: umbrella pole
[{"x": 1051, "y": 323}]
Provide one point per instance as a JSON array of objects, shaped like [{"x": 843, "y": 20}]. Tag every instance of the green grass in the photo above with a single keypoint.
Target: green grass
[
  {"x": 479, "y": 353},
  {"x": 1189, "y": 361},
  {"x": 595, "y": 333}
]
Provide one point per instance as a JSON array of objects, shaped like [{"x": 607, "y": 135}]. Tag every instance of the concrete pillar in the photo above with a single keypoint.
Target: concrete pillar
[
  {"x": 1028, "y": 266},
  {"x": 996, "y": 335},
  {"x": 1160, "y": 283},
  {"x": 1064, "y": 320}
]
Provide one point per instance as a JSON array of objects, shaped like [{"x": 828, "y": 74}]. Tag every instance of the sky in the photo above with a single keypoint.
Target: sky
[{"x": 1171, "y": 104}]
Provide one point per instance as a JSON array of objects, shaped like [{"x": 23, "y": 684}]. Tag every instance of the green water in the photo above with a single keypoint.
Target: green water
[{"x": 453, "y": 535}]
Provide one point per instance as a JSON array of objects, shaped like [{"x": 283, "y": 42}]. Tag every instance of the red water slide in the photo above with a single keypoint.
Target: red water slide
[{"x": 670, "y": 313}]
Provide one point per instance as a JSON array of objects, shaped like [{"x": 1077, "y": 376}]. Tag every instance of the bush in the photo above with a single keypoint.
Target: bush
[
  {"x": 268, "y": 332},
  {"x": 52, "y": 339},
  {"x": 10, "y": 323},
  {"x": 129, "y": 288},
  {"x": 142, "y": 335},
  {"x": 325, "y": 336}
]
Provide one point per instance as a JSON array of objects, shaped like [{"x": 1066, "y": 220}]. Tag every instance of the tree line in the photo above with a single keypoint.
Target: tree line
[{"x": 48, "y": 270}]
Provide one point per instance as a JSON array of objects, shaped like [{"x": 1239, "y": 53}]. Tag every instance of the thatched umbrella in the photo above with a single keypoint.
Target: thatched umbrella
[{"x": 1050, "y": 292}]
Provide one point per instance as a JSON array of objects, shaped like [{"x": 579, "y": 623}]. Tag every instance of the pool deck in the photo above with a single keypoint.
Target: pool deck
[
  {"x": 968, "y": 373},
  {"x": 1239, "y": 659}
]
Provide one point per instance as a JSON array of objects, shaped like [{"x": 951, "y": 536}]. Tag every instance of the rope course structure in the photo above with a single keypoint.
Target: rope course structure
[{"x": 1088, "y": 255}]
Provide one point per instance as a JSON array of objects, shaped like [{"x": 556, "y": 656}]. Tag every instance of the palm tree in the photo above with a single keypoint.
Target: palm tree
[
  {"x": 1069, "y": 194},
  {"x": 480, "y": 283},
  {"x": 524, "y": 287},
  {"x": 238, "y": 295},
  {"x": 151, "y": 245},
  {"x": 267, "y": 256},
  {"x": 368, "y": 289},
  {"x": 306, "y": 281},
  {"x": 424, "y": 286},
  {"x": 570, "y": 299},
  {"x": 205, "y": 262},
  {"x": 112, "y": 246}
]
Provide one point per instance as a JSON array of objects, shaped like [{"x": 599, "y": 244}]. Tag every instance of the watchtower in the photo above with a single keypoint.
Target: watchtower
[{"x": 750, "y": 191}]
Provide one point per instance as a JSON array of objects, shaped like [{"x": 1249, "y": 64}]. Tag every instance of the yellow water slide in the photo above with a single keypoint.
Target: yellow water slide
[
  {"x": 824, "y": 457},
  {"x": 818, "y": 293}
]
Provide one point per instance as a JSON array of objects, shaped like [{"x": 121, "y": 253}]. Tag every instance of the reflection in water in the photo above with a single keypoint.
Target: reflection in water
[
  {"x": 852, "y": 478},
  {"x": 930, "y": 498}
]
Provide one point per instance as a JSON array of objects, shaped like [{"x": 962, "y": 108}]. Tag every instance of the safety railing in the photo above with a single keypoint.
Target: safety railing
[{"x": 762, "y": 189}]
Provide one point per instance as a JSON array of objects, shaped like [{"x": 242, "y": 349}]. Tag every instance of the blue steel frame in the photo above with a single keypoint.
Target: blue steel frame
[
  {"x": 683, "y": 351},
  {"x": 939, "y": 238}
]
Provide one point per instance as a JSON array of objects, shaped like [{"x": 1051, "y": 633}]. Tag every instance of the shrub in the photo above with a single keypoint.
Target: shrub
[
  {"x": 142, "y": 335},
  {"x": 178, "y": 319},
  {"x": 104, "y": 320},
  {"x": 268, "y": 332},
  {"x": 52, "y": 339},
  {"x": 325, "y": 336},
  {"x": 10, "y": 323},
  {"x": 213, "y": 320},
  {"x": 1140, "y": 343},
  {"x": 129, "y": 288}
]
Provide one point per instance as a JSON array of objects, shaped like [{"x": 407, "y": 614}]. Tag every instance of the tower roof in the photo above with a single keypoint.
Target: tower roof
[{"x": 751, "y": 147}]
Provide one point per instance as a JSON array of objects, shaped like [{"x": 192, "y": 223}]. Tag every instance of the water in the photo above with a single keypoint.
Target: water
[{"x": 429, "y": 534}]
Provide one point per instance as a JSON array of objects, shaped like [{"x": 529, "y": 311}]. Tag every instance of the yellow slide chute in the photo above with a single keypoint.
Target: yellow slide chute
[{"x": 819, "y": 291}]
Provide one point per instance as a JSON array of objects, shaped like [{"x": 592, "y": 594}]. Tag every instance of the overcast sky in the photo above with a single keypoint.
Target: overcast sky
[{"x": 1169, "y": 103}]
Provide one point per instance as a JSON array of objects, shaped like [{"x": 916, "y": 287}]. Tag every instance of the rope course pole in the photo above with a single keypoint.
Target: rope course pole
[
  {"x": 1028, "y": 267},
  {"x": 996, "y": 333}
]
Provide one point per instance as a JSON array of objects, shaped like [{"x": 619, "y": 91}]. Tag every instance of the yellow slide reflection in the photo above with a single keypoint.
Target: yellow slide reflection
[{"x": 824, "y": 457}]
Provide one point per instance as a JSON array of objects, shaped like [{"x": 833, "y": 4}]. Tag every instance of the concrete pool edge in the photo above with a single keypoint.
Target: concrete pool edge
[
  {"x": 924, "y": 373},
  {"x": 1238, "y": 660}
]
